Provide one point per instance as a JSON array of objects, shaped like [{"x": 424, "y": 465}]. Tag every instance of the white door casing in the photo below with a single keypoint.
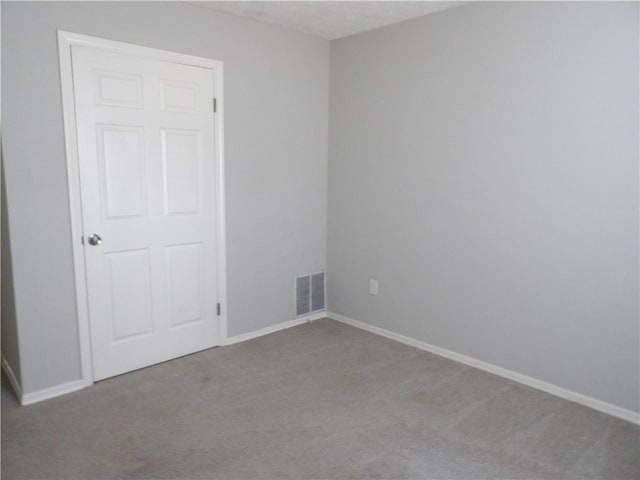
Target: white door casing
[{"x": 147, "y": 162}]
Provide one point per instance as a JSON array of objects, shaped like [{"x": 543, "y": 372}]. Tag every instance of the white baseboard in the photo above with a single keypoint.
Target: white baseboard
[
  {"x": 599, "y": 405},
  {"x": 243, "y": 337},
  {"x": 39, "y": 395},
  {"x": 12, "y": 378},
  {"x": 51, "y": 392}
]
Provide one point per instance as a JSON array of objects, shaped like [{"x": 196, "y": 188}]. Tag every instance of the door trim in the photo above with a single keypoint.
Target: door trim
[{"x": 65, "y": 41}]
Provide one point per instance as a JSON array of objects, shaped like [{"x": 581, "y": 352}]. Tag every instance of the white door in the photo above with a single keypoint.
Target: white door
[{"x": 145, "y": 131}]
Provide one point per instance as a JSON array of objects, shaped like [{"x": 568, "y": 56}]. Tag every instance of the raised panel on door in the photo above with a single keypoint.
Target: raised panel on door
[
  {"x": 128, "y": 284},
  {"x": 118, "y": 89},
  {"x": 122, "y": 168},
  {"x": 185, "y": 277},
  {"x": 180, "y": 96},
  {"x": 180, "y": 156}
]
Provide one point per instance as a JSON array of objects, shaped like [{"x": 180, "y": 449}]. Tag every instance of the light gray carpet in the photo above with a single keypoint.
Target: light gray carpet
[{"x": 320, "y": 400}]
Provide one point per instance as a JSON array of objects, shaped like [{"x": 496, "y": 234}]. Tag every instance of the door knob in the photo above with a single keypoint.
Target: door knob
[{"x": 94, "y": 239}]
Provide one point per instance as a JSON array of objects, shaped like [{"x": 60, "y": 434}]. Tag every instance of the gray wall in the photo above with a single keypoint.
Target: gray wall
[
  {"x": 9, "y": 333},
  {"x": 483, "y": 164},
  {"x": 276, "y": 100}
]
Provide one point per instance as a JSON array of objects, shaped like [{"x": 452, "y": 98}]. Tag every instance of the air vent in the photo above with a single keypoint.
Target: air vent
[{"x": 309, "y": 293}]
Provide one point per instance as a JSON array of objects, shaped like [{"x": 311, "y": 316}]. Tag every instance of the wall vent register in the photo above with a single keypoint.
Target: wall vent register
[{"x": 309, "y": 293}]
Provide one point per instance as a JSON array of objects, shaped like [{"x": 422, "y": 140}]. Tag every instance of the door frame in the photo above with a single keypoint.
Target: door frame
[{"x": 65, "y": 41}]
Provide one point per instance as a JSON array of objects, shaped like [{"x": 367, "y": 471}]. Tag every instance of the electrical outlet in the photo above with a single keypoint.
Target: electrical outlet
[{"x": 373, "y": 286}]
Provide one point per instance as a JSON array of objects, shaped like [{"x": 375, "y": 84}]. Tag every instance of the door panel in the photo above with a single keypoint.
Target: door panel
[
  {"x": 180, "y": 157},
  {"x": 180, "y": 97},
  {"x": 147, "y": 173},
  {"x": 118, "y": 89},
  {"x": 122, "y": 168},
  {"x": 186, "y": 282},
  {"x": 129, "y": 294}
]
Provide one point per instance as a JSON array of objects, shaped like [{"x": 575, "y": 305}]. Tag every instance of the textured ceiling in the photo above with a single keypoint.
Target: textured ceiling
[{"x": 329, "y": 19}]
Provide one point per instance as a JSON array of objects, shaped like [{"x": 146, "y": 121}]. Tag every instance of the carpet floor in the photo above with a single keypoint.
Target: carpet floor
[{"x": 321, "y": 400}]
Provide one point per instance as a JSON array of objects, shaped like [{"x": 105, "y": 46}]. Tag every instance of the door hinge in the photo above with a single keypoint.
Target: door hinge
[
  {"x": 218, "y": 308},
  {"x": 215, "y": 105}
]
